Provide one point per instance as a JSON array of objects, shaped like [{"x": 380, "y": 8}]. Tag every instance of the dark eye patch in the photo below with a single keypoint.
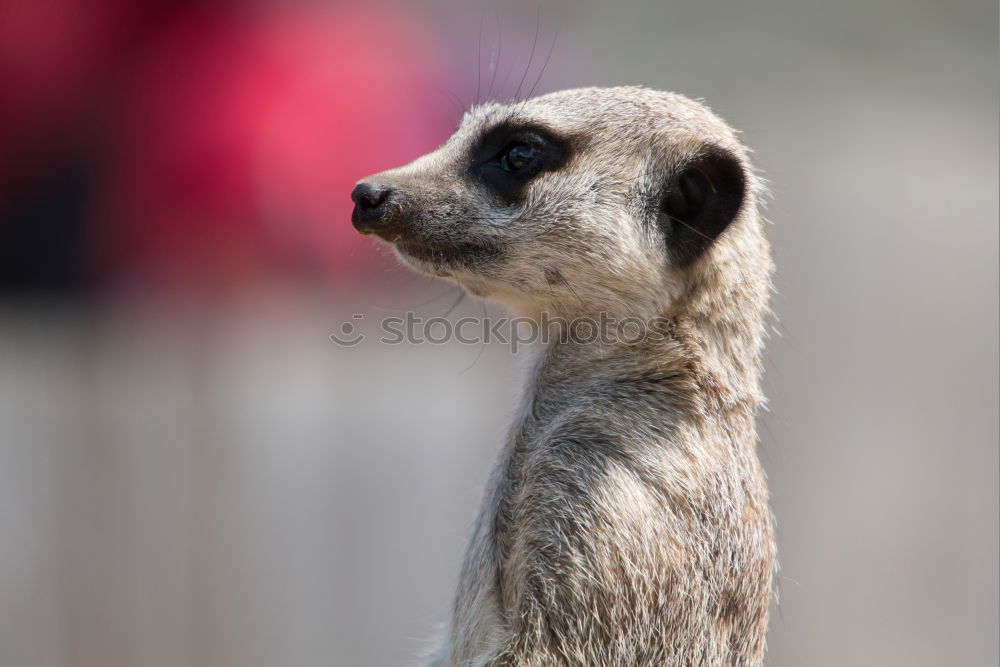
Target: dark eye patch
[{"x": 507, "y": 157}]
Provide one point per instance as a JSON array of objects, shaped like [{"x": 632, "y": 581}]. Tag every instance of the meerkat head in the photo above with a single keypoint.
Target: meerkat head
[{"x": 616, "y": 199}]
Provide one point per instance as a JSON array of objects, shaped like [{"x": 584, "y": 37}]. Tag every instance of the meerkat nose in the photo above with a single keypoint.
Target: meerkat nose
[{"x": 370, "y": 206}]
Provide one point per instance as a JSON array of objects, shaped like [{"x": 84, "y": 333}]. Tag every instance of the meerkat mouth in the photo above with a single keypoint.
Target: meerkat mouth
[{"x": 464, "y": 253}]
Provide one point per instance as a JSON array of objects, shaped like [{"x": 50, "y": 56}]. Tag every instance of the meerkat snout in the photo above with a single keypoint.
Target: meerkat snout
[{"x": 373, "y": 208}]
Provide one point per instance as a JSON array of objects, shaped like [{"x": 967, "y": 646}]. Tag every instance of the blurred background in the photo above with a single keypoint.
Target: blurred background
[{"x": 193, "y": 474}]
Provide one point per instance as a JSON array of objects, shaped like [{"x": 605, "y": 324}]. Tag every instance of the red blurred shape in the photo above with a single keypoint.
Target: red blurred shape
[
  {"x": 55, "y": 59},
  {"x": 245, "y": 131}
]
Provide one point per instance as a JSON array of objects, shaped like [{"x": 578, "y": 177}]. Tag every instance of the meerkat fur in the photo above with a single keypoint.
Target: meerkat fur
[{"x": 626, "y": 521}]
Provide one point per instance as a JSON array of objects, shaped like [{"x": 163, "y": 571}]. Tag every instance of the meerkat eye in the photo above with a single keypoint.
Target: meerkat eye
[
  {"x": 518, "y": 156},
  {"x": 507, "y": 158}
]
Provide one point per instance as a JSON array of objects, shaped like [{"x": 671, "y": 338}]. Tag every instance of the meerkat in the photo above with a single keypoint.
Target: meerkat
[{"x": 626, "y": 521}]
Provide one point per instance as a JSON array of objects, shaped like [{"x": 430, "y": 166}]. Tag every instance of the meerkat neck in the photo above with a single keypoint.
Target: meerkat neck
[
  {"x": 705, "y": 342},
  {"x": 729, "y": 327}
]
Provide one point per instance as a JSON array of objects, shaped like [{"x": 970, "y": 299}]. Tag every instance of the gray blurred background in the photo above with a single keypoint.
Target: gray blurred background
[{"x": 196, "y": 475}]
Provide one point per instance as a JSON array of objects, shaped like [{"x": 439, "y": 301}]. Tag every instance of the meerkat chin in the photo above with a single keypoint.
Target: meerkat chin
[{"x": 626, "y": 521}]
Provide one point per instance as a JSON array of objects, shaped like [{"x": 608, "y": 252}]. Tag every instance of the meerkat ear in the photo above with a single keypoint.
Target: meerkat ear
[{"x": 700, "y": 201}]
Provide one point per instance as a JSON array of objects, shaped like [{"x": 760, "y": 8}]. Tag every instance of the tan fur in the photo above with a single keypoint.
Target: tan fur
[{"x": 626, "y": 521}]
